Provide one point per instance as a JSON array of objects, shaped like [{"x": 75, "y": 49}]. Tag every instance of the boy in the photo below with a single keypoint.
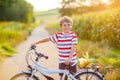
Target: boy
[{"x": 66, "y": 42}]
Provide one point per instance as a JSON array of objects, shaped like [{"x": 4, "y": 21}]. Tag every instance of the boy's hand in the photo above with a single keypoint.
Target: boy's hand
[
  {"x": 33, "y": 46},
  {"x": 67, "y": 62}
]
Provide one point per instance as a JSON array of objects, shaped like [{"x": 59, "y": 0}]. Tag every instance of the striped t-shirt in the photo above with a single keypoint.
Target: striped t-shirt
[{"x": 64, "y": 43}]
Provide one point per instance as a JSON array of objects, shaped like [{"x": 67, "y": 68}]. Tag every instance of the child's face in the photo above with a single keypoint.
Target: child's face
[{"x": 66, "y": 27}]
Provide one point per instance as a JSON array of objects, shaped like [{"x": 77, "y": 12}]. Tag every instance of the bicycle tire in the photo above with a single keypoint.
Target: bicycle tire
[
  {"x": 23, "y": 76},
  {"x": 89, "y": 76}
]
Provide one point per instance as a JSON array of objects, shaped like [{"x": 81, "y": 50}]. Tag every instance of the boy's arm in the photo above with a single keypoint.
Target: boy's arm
[
  {"x": 71, "y": 54},
  {"x": 43, "y": 40}
]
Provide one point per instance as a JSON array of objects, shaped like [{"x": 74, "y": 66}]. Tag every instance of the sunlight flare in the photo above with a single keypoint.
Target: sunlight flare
[{"x": 106, "y": 1}]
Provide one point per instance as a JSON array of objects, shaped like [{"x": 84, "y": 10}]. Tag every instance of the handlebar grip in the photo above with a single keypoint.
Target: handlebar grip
[
  {"x": 33, "y": 46},
  {"x": 42, "y": 55},
  {"x": 46, "y": 57}
]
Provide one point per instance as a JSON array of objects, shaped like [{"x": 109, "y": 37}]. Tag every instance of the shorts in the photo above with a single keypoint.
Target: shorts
[{"x": 72, "y": 69}]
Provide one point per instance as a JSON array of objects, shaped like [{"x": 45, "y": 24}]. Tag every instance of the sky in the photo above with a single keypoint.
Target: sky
[{"x": 43, "y": 5}]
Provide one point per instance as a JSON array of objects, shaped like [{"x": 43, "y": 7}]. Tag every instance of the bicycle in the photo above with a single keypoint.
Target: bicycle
[{"x": 81, "y": 74}]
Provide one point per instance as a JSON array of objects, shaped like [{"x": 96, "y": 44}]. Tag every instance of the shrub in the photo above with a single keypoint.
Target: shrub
[
  {"x": 11, "y": 34},
  {"x": 100, "y": 26},
  {"x": 7, "y": 48}
]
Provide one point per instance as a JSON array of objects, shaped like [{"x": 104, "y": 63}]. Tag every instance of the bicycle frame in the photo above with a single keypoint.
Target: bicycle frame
[{"x": 47, "y": 72}]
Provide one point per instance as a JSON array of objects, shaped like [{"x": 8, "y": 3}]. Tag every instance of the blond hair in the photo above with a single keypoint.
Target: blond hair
[{"x": 66, "y": 19}]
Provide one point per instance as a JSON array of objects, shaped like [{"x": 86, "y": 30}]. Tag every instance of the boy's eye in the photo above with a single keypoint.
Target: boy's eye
[
  {"x": 69, "y": 24},
  {"x": 66, "y": 24}
]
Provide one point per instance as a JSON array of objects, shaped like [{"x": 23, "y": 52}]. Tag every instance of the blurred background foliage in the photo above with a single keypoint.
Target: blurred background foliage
[
  {"x": 16, "y": 23},
  {"x": 102, "y": 26},
  {"x": 16, "y": 10},
  {"x": 71, "y": 7},
  {"x": 11, "y": 34}
]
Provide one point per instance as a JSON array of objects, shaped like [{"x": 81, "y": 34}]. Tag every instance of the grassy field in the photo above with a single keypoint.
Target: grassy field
[
  {"x": 11, "y": 34},
  {"x": 51, "y": 16}
]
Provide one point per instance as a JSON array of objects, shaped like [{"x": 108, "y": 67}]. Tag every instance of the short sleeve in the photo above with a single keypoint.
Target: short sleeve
[
  {"x": 74, "y": 40},
  {"x": 54, "y": 38}
]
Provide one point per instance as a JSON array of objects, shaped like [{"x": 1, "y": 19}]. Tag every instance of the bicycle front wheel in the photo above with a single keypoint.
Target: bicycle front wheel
[
  {"x": 23, "y": 76},
  {"x": 88, "y": 76}
]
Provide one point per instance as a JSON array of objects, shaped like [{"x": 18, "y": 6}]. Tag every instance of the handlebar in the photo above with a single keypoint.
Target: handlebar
[
  {"x": 33, "y": 46},
  {"x": 39, "y": 55},
  {"x": 42, "y": 55}
]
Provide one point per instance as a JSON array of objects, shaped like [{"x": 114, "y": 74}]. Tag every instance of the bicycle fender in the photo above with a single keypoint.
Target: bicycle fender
[
  {"x": 26, "y": 72},
  {"x": 29, "y": 73},
  {"x": 87, "y": 70}
]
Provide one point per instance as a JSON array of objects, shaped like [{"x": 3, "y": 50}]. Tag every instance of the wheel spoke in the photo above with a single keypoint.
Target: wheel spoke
[{"x": 88, "y": 76}]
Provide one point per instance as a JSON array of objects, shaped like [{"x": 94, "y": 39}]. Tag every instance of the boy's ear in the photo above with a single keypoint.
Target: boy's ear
[{"x": 60, "y": 25}]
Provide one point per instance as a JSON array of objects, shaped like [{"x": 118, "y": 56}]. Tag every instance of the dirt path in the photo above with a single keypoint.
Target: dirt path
[{"x": 16, "y": 63}]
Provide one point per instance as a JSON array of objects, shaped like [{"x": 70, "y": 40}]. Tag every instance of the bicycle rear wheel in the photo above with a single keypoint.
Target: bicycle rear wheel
[
  {"x": 88, "y": 76},
  {"x": 23, "y": 76}
]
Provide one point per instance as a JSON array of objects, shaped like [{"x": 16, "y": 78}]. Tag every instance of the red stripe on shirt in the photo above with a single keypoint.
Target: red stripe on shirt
[
  {"x": 56, "y": 36},
  {"x": 64, "y": 48},
  {"x": 74, "y": 36},
  {"x": 65, "y": 40},
  {"x": 66, "y": 55}
]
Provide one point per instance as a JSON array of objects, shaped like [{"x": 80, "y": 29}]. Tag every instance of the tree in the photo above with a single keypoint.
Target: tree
[
  {"x": 115, "y": 3},
  {"x": 15, "y": 10},
  {"x": 68, "y": 6}
]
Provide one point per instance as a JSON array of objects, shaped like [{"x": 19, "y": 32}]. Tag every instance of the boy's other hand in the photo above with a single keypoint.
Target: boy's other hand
[{"x": 67, "y": 62}]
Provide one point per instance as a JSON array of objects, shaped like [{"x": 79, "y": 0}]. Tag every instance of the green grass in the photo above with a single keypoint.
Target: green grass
[
  {"x": 11, "y": 34},
  {"x": 51, "y": 16},
  {"x": 47, "y": 13},
  {"x": 99, "y": 26}
]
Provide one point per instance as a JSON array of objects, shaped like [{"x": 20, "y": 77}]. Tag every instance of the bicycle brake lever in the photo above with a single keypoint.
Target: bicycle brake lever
[{"x": 33, "y": 46}]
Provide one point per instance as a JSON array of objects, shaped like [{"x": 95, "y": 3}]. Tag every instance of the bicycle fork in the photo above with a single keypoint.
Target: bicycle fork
[
  {"x": 68, "y": 74},
  {"x": 32, "y": 73}
]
